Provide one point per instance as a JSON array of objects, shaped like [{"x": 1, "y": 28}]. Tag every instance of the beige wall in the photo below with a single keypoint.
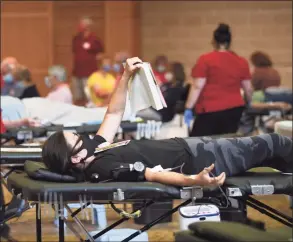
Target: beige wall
[
  {"x": 183, "y": 30},
  {"x": 39, "y": 33},
  {"x": 26, "y": 34}
]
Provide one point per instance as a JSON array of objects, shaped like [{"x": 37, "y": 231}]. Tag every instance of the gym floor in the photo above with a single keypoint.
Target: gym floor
[{"x": 23, "y": 229}]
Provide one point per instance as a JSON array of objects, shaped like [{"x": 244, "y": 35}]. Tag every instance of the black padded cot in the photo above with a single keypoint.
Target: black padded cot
[
  {"x": 229, "y": 232},
  {"x": 38, "y": 185}
]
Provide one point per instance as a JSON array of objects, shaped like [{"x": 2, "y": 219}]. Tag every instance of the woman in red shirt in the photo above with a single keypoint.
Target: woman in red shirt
[{"x": 215, "y": 93}]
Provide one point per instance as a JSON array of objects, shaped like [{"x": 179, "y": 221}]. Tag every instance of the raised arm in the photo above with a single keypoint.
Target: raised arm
[{"x": 117, "y": 103}]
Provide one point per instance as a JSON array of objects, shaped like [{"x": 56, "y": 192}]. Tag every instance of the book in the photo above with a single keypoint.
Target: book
[{"x": 144, "y": 91}]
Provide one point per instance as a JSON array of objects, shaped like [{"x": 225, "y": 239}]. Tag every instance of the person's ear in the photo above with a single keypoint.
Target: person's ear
[{"x": 77, "y": 158}]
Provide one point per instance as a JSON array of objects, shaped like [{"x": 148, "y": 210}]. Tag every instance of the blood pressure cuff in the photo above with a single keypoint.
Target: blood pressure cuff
[
  {"x": 38, "y": 171},
  {"x": 124, "y": 173}
]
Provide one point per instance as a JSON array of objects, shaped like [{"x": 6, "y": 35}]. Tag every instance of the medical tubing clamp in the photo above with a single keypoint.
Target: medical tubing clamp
[{"x": 123, "y": 214}]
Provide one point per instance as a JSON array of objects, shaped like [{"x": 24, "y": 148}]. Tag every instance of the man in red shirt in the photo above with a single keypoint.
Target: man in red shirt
[
  {"x": 215, "y": 93},
  {"x": 87, "y": 50}
]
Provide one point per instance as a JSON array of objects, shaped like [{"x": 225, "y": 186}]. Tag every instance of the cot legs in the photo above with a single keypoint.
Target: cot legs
[
  {"x": 38, "y": 222},
  {"x": 156, "y": 221},
  {"x": 61, "y": 225}
]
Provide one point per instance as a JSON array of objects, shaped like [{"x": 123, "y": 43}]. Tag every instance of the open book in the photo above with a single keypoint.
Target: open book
[{"x": 143, "y": 90}]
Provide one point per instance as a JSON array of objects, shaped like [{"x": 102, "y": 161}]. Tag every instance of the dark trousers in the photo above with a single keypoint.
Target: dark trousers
[
  {"x": 2, "y": 209},
  {"x": 237, "y": 155},
  {"x": 216, "y": 123}
]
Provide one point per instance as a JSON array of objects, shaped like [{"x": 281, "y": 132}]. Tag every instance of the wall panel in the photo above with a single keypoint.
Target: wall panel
[
  {"x": 25, "y": 34},
  {"x": 183, "y": 30}
]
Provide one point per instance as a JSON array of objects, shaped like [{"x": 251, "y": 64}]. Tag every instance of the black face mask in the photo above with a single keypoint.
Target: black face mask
[{"x": 87, "y": 144}]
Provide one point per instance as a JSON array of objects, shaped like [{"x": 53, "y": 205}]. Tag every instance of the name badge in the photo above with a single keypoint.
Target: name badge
[{"x": 111, "y": 146}]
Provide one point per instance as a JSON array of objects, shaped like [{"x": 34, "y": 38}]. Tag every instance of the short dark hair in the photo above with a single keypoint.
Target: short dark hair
[
  {"x": 261, "y": 59},
  {"x": 178, "y": 72},
  {"x": 222, "y": 35},
  {"x": 160, "y": 58},
  {"x": 56, "y": 153}
]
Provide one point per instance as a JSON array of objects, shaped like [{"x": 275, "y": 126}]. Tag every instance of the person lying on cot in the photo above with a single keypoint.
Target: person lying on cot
[{"x": 177, "y": 161}]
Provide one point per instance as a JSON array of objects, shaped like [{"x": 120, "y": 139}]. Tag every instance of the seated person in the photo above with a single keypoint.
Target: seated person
[
  {"x": 263, "y": 74},
  {"x": 117, "y": 68},
  {"x": 172, "y": 91},
  {"x": 56, "y": 82},
  {"x": 258, "y": 102},
  {"x": 101, "y": 84},
  {"x": 8, "y": 124},
  {"x": 267, "y": 79},
  {"x": 160, "y": 69},
  {"x": 24, "y": 82},
  {"x": 192, "y": 159},
  {"x": 8, "y": 65}
]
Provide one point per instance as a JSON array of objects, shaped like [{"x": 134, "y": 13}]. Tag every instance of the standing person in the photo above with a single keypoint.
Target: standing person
[
  {"x": 215, "y": 91},
  {"x": 56, "y": 82},
  {"x": 87, "y": 50}
]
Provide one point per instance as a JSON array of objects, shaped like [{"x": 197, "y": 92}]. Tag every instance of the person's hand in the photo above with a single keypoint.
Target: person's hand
[
  {"x": 32, "y": 122},
  {"x": 131, "y": 66},
  {"x": 188, "y": 116},
  {"x": 284, "y": 106},
  {"x": 204, "y": 179}
]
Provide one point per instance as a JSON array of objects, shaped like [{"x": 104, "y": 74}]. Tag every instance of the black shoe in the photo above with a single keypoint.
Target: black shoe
[
  {"x": 4, "y": 231},
  {"x": 15, "y": 208}
]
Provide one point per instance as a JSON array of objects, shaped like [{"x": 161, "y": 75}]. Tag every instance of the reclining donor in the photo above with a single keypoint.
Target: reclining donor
[{"x": 180, "y": 162}]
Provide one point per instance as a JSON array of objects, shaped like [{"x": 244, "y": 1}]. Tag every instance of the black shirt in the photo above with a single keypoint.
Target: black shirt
[
  {"x": 29, "y": 92},
  {"x": 172, "y": 94},
  {"x": 169, "y": 153}
]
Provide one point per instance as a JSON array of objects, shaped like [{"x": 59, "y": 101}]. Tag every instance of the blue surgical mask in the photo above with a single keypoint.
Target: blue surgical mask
[
  {"x": 19, "y": 84},
  {"x": 161, "y": 68},
  {"x": 116, "y": 68},
  {"x": 8, "y": 78},
  {"x": 48, "y": 82},
  {"x": 106, "y": 68}
]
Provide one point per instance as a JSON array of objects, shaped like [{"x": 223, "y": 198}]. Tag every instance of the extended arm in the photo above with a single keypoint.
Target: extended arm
[
  {"x": 117, "y": 103},
  {"x": 21, "y": 122},
  {"x": 177, "y": 179},
  {"x": 271, "y": 106}
]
